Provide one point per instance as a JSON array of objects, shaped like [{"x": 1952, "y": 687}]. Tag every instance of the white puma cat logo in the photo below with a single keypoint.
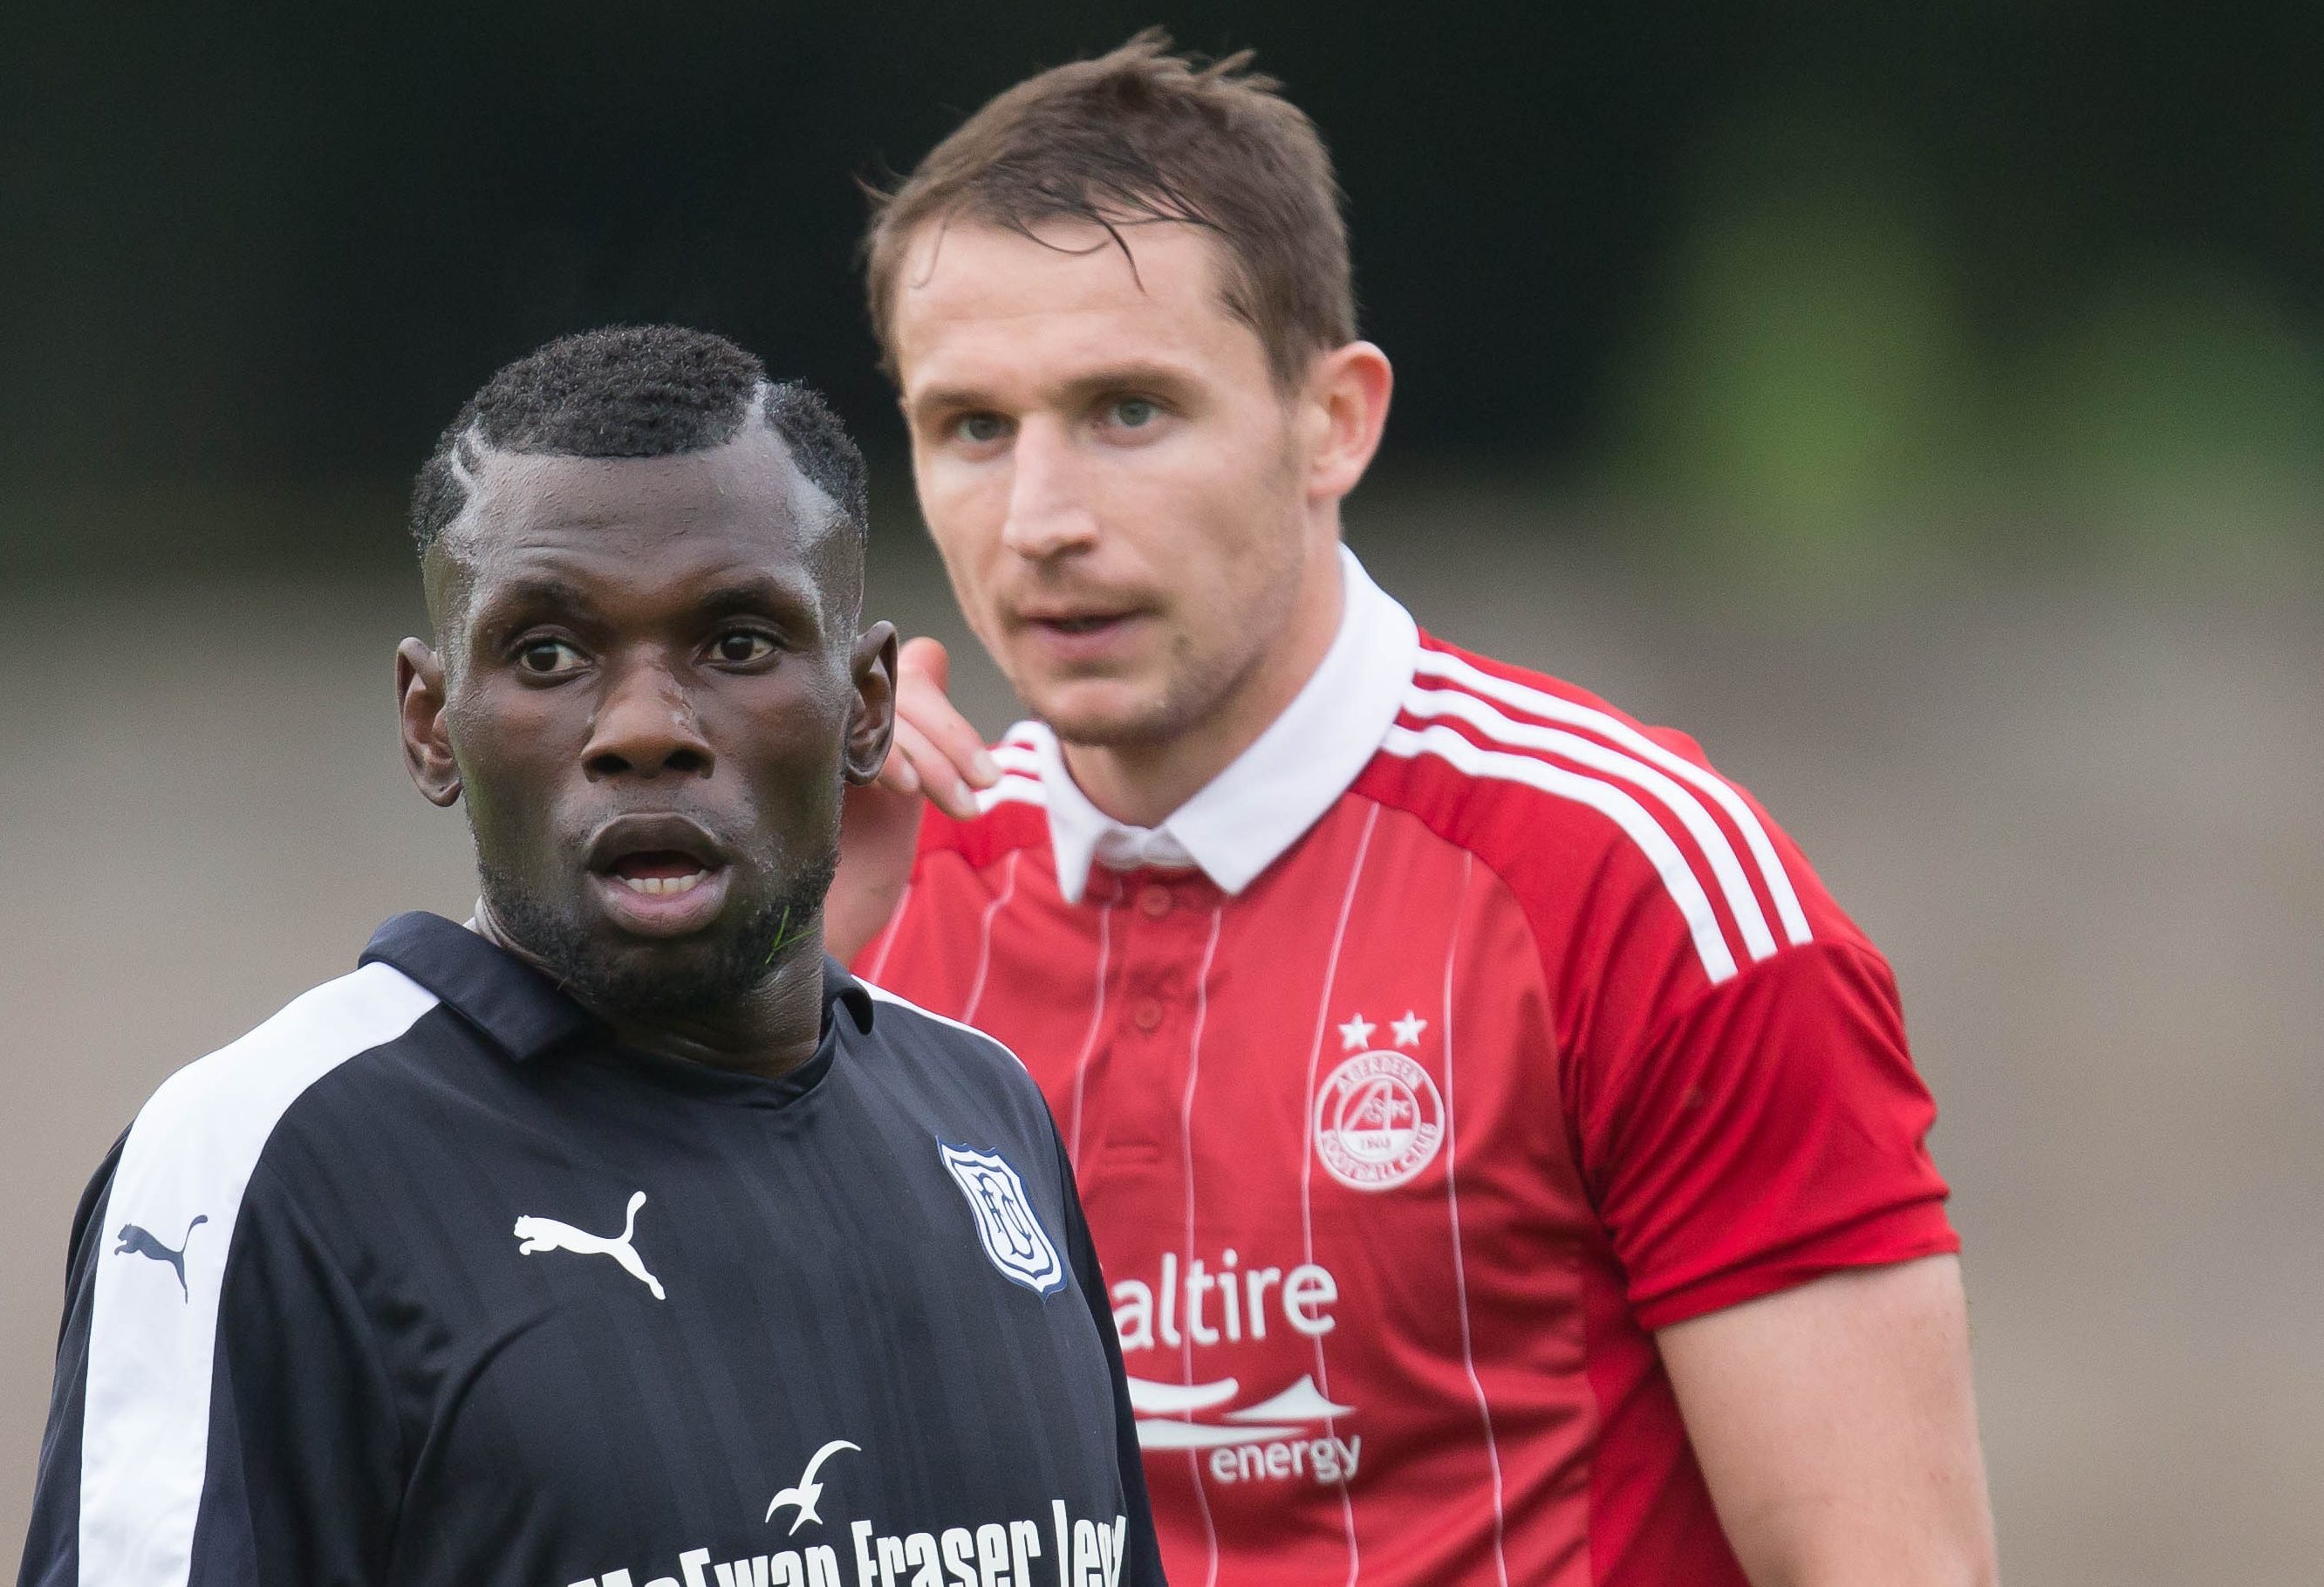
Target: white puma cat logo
[{"x": 539, "y": 1234}]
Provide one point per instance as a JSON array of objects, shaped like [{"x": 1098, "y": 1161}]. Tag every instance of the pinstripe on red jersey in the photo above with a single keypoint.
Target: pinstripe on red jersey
[{"x": 1531, "y": 1035}]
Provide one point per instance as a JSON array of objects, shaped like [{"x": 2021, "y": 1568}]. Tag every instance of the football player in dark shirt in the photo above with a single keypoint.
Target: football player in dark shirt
[{"x": 619, "y": 1237}]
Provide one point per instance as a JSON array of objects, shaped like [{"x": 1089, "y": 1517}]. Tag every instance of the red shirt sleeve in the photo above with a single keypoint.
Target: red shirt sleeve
[{"x": 1769, "y": 1131}]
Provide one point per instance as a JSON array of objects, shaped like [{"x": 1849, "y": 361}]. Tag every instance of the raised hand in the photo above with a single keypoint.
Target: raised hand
[{"x": 937, "y": 756}]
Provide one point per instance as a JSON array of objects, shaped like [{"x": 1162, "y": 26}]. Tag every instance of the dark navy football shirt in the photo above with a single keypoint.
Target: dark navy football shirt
[{"x": 428, "y": 1281}]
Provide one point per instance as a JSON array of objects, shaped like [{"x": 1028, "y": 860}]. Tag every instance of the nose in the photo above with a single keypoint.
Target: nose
[
  {"x": 1048, "y": 509},
  {"x": 646, "y": 727}
]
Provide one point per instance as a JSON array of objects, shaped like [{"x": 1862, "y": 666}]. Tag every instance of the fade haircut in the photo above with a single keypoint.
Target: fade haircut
[
  {"x": 1138, "y": 135},
  {"x": 634, "y": 390}
]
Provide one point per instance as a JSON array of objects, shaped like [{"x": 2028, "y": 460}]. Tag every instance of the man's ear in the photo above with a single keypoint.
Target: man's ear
[
  {"x": 871, "y": 718},
  {"x": 419, "y": 703},
  {"x": 1346, "y": 396}
]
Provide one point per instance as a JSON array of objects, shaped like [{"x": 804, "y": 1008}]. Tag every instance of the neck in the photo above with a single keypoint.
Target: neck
[
  {"x": 770, "y": 1029},
  {"x": 1141, "y": 784}
]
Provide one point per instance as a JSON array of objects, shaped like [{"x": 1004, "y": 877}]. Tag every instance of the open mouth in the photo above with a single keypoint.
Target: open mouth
[{"x": 658, "y": 875}]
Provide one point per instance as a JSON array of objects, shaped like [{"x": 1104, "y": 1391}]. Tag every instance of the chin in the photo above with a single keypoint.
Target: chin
[
  {"x": 647, "y": 980},
  {"x": 1107, "y": 715},
  {"x": 623, "y": 975},
  {"x": 1142, "y": 712}
]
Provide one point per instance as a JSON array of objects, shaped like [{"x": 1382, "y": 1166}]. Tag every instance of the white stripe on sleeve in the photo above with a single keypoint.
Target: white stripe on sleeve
[
  {"x": 1725, "y": 865},
  {"x": 1439, "y": 664},
  {"x": 1677, "y": 876},
  {"x": 145, "y": 1427}
]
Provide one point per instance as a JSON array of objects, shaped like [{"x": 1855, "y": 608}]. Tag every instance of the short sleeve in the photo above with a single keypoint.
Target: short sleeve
[
  {"x": 52, "y": 1555},
  {"x": 1770, "y": 1130},
  {"x": 218, "y": 1411}
]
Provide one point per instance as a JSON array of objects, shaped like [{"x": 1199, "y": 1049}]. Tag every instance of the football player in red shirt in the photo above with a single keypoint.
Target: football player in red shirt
[{"x": 1504, "y": 1153}]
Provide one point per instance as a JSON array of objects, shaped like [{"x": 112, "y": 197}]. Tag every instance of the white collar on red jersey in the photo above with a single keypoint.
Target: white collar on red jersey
[{"x": 1244, "y": 818}]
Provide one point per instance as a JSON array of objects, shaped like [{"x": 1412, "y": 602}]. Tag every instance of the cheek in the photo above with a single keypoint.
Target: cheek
[
  {"x": 964, "y": 509},
  {"x": 790, "y": 733},
  {"x": 510, "y": 746},
  {"x": 1234, "y": 525},
  {"x": 508, "y": 728}
]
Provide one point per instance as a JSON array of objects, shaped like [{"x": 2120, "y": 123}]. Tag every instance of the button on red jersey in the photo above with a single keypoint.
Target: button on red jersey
[{"x": 1459, "y": 1059}]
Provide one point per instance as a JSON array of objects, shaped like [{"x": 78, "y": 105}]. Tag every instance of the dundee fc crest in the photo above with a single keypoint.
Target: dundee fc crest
[
  {"x": 1379, "y": 1119},
  {"x": 1006, "y": 1224}
]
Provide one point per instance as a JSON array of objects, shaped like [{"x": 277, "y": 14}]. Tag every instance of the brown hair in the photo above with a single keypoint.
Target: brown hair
[{"x": 1142, "y": 134}]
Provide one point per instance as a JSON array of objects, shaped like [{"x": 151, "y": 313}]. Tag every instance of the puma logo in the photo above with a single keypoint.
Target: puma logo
[
  {"x": 137, "y": 1239},
  {"x": 539, "y": 1234},
  {"x": 809, "y": 1491}
]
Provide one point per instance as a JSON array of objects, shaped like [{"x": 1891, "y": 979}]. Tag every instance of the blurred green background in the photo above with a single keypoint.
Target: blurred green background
[{"x": 1925, "y": 406}]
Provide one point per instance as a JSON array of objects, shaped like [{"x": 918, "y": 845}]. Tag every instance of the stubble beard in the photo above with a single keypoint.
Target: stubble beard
[
  {"x": 1194, "y": 689},
  {"x": 636, "y": 983}
]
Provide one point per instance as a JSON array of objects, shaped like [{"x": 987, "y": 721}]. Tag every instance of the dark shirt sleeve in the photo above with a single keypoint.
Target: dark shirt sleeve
[
  {"x": 1144, "y": 1554},
  {"x": 51, "y": 1545},
  {"x": 232, "y": 1428}
]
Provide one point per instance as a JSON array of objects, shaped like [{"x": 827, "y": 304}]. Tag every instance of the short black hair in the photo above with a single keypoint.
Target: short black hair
[{"x": 634, "y": 390}]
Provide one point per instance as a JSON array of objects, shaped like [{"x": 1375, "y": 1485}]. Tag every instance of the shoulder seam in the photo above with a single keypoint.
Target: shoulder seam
[
  {"x": 1589, "y": 756},
  {"x": 1679, "y": 881},
  {"x": 885, "y": 996},
  {"x": 1634, "y": 743}
]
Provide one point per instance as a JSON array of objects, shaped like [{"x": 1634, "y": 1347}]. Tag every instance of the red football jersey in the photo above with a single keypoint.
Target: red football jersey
[{"x": 1457, "y": 1036}]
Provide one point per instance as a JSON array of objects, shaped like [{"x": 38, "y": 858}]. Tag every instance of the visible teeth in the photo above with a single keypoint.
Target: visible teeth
[{"x": 664, "y": 884}]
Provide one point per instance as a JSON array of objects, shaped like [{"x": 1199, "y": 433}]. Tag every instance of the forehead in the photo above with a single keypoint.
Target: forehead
[
  {"x": 977, "y": 303},
  {"x": 639, "y": 522}
]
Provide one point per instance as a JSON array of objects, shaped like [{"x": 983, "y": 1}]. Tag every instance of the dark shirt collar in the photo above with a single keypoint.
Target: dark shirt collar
[{"x": 519, "y": 1008}]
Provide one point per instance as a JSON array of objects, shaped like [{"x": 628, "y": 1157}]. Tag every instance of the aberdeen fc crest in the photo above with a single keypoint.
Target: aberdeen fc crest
[
  {"x": 1379, "y": 1118},
  {"x": 1006, "y": 1224}
]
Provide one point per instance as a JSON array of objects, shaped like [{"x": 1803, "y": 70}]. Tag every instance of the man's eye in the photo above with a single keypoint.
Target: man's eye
[
  {"x": 980, "y": 428},
  {"x": 547, "y": 658},
  {"x": 1135, "y": 412},
  {"x": 741, "y": 647}
]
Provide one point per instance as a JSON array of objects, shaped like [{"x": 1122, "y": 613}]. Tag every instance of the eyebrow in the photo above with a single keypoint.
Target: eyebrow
[
  {"x": 756, "y": 593},
  {"x": 536, "y": 590},
  {"x": 1112, "y": 377}
]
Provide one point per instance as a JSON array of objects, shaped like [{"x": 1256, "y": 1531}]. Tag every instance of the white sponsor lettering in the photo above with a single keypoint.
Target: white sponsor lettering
[
  {"x": 1287, "y": 1434},
  {"x": 1089, "y": 1554},
  {"x": 1308, "y": 1288},
  {"x": 815, "y": 1567},
  {"x": 998, "y": 1553},
  {"x": 1328, "y": 1460},
  {"x": 1227, "y": 1303}
]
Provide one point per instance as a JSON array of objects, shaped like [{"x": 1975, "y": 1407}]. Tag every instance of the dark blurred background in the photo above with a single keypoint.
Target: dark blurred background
[
  {"x": 1922, "y": 405},
  {"x": 1806, "y": 262}
]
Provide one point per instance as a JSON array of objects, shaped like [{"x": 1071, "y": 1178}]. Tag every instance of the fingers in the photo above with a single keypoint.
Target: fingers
[
  {"x": 932, "y": 771},
  {"x": 878, "y": 833},
  {"x": 896, "y": 772},
  {"x": 926, "y": 658},
  {"x": 943, "y": 746}
]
